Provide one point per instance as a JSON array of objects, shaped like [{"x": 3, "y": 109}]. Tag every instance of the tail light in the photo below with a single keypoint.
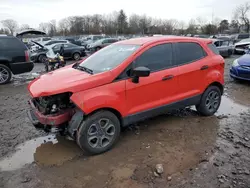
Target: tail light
[{"x": 27, "y": 56}]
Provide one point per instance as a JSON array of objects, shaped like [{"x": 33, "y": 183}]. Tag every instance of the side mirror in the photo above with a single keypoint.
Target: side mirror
[{"x": 138, "y": 72}]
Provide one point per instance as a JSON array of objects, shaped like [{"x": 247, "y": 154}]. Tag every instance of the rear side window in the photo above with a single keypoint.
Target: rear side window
[
  {"x": 11, "y": 44},
  {"x": 188, "y": 52},
  {"x": 156, "y": 58},
  {"x": 243, "y": 36},
  {"x": 213, "y": 48}
]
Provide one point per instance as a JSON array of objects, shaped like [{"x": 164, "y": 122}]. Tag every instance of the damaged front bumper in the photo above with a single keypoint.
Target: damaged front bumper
[{"x": 40, "y": 120}]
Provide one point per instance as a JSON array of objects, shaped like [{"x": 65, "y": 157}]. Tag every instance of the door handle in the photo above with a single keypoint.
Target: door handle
[
  {"x": 204, "y": 67},
  {"x": 169, "y": 77}
]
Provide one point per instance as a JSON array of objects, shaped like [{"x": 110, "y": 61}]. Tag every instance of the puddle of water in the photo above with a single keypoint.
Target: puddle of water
[
  {"x": 45, "y": 151},
  {"x": 229, "y": 107}
]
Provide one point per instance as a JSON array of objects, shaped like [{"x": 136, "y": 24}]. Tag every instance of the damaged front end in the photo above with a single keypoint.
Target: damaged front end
[{"x": 52, "y": 113}]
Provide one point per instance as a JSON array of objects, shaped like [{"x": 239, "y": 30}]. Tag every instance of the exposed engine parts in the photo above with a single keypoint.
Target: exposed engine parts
[{"x": 53, "y": 104}]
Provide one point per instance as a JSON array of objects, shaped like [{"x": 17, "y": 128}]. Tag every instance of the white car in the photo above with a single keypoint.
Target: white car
[{"x": 240, "y": 47}]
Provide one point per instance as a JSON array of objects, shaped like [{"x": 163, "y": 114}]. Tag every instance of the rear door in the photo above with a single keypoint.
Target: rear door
[
  {"x": 68, "y": 50},
  {"x": 157, "y": 90},
  {"x": 192, "y": 61}
]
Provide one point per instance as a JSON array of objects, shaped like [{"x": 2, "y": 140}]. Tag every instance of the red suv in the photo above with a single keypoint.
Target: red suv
[{"x": 124, "y": 83}]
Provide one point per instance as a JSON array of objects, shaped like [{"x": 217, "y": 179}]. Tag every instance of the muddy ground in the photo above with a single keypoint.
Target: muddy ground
[{"x": 195, "y": 151}]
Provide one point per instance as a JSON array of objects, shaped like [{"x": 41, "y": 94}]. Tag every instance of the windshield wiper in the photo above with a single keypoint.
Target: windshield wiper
[{"x": 85, "y": 69}]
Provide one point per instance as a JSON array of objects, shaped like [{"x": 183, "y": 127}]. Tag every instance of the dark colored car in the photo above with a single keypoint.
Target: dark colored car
[
  {"x": 241, "y": 68},
  {"x": 74, "y": 41},
  {"x": 14, "y": 58},
  {"x": 55, "y": 42},
  {"x": 70, "y": 50}
]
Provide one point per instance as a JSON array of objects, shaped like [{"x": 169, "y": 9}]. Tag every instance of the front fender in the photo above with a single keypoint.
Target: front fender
[{"x": 108, "y": 96}]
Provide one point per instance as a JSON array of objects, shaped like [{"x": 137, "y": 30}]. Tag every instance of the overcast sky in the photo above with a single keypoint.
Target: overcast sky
[{"x": 33, "y": 12}]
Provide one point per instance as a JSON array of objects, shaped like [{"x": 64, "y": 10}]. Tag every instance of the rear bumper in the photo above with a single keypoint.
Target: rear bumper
[
  {"x": 58, "y": 119},
  {"x": 21, "y": 67}
]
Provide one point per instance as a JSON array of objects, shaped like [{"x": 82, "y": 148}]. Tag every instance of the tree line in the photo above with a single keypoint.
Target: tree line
[{"x": 118, "y": 23}]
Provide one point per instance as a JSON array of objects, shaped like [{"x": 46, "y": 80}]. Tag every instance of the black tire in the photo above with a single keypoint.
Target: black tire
[
  {"x": 41, "y": 58},
  {"x": 91, "y": 135},
  {"x": 5, "y": 74},
  {"x": 97, "y": 48},
  {"x": 76, "y": 56},
  {"x": 210, "y": 101}
]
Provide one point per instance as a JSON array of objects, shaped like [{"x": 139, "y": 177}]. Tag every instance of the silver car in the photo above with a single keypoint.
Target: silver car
[
  {"x": 225, "y": 47},
  {"x": 101, "y": 43}
]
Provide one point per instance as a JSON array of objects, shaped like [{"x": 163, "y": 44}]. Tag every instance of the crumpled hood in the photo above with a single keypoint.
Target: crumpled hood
[
  {"x": 242, "y": 43},
  {"x": 244, "y": 60},
  {"x": 66, "y": 79}
]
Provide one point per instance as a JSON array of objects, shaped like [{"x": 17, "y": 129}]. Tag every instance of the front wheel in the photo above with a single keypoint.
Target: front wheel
[
  {"x": 99, "y": 132},
  {"x": 210, "y": 101}
]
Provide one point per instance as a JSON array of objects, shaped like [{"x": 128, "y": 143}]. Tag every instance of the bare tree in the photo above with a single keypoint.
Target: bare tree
[
  {"x": 10, "y": 24},
  {"x": 134, "y": 27},
  {"x": 44, "y": 27},
  {"x": 24, "y": 26},
  {"x": 192, "y": 28},
  {"x": 63, "y": 26},
  {"x": 241, "y": 14},
  {"x": 181, "y": 26}
]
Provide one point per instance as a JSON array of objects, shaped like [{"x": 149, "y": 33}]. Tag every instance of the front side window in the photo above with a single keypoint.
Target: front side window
[
  {"x": 156, "y": 58},
  {"x": 109, "y": 57},
  {"x": 56, "y": 48},
  {"x": 188, "y": 52}
]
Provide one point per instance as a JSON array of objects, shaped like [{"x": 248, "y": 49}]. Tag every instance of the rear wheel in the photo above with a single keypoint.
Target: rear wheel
[
  {"x": 210, "y": 101},
  {"x": 42, "y": 58},
  {"x": 97, "y": 48},
  {"x": 99, "y": 132},
  {"x": 76, "y": 56},
  {"x": 5, "y": 74}
]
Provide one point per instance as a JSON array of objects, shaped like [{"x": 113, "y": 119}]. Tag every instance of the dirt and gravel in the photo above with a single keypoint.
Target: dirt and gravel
[{"x": 193, "y": 151}]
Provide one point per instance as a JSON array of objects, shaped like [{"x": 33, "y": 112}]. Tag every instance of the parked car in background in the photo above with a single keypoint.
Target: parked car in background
[
  {"x": 225, "y": 47},
  {"x": 74, "y": 41},
  {"x": 124, "y": 83},
  {"x": 14, "y": 58},
  {"x": 238, "y": 37},
  {"x": 55, "y": 42},
  {"x": 70, "y": 50},
  {"x": 91, "y": 39},
  {"x": 240, "y": 69},
  {"x": 101, "y": 43},
  {"x": 201, "y": 36},
  {"x": 39, "y": 55},
  {"x": 241, "y": 46},
  {"x": 42, "y": 40}
]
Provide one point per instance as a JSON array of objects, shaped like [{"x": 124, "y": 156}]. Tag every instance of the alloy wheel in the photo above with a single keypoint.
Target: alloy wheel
[
  {"x": 4, "y": 75},
  {"x": 213, "y": 101},
  {"x": 101, "y": 133}
]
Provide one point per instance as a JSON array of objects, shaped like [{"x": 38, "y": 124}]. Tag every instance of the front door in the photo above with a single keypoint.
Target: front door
[{"x": 157, "y": 90}]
